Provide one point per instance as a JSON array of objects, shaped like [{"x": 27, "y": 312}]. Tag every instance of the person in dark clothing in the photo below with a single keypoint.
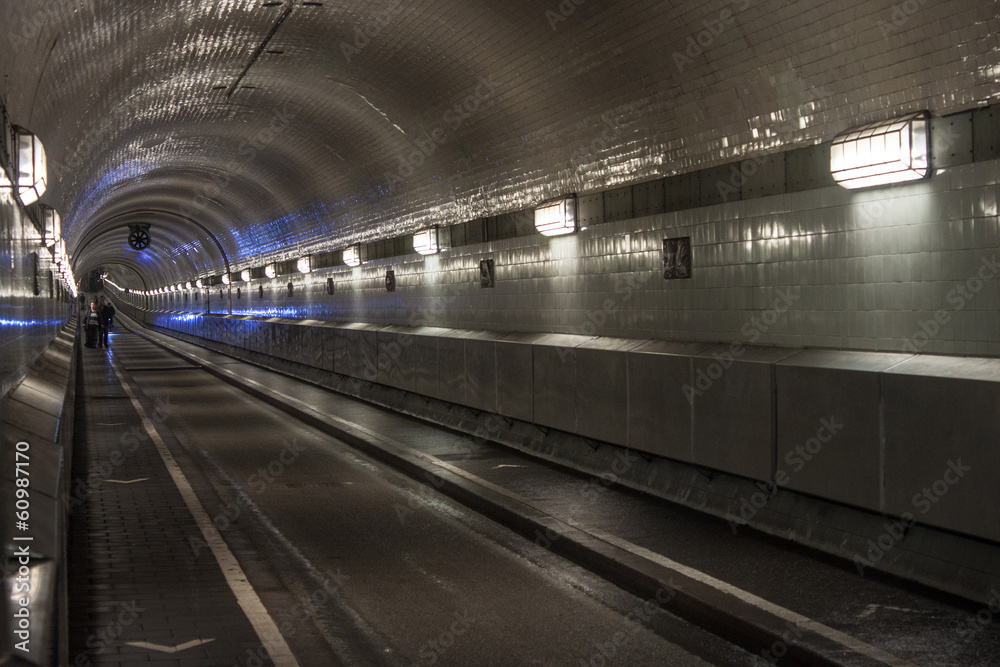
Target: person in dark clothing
[
  {"x": 91, "y": 325},
  {"x": 105, "y": 312}
]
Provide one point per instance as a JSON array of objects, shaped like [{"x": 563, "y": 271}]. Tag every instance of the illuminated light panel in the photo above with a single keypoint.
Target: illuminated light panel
[
  {"x": 425, "y": 241},
  {"x": 226, "y": 280},
  {"x": 304, "y": 264},
  {"x": 892, "y": 151},
  {"x": 188, "y": 285},
  {"x": 556, "y": 217},
  {"x": 270, "y": 271},
  {"x": 352, "y": 255},
  {"x": 199, "y": 283},
  {"x": 53, "y": 226},
  {"x": 32, "y": 174},
  {"x": 245, "y": 275}
]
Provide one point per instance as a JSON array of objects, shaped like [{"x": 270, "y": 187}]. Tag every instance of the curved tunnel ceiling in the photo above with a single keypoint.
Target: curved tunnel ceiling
[{"x": 286, "y": 126}]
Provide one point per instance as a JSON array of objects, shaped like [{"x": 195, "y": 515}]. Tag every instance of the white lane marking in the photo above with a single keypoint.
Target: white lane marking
[
  {"x": 171, "y": 649},
  {"x": 256, "y": 613},
  {"x": 788, "y": 615},
  {"x": 508, "y": 465},
  {"x": 131, "y": 481}
]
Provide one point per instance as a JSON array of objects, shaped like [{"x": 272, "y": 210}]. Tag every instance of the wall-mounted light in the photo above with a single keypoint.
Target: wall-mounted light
[
  {"x": 270, "y": 270},
  {"x": 891, "y": 151},
  {"x": 199, "y": 284},
  {"x": 53, "y": 226},
  {"x": 32, "y": 174},
  {"x": 304, "y": 265},
  {"x": 429, "y": 241},
  {"x": 188, "y": 285},
  {"x": 556, "y": 217},
  {"x": 352, "y": 255},
  {"x": 173, "y": 288},
  {"x": 245, "y": 275},
  {"x": 226, "y": 280}
]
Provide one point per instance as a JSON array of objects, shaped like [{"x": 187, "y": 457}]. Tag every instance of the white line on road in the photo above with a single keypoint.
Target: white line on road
[{"x": 263, "y": 624}]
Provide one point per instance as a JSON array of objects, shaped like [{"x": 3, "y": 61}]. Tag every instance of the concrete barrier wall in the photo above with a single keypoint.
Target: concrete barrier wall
[
  {"x": 871, "y": 430},
  {"x": 36, "y": 431}
]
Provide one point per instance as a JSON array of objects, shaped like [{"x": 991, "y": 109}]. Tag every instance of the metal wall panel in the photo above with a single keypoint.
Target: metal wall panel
[
  {"x": 942, "y": 426},
  {"x": 515, "y": 396},
  {"x": 648, "y": 198},
  {"x": 602, "y": 389},
  {"x": 554, "y": 380},
  {"x": 733, "y": 410},
  {"x": 451, "y": 368},
  {"x": 356, "y": 351},
  {"x": 682, "y": 191},
  {"x": 986, "y": 133},
  {"x": 618, "y": 204},
  {"x": 328, "y": 334},
  {"x": 590, "y": 209},
  {"x": 763, "y": 175},
  {"x": 719, "y": 184},
  {"x": 395, "y": 358},
  {"x": 659, "y": 414},
  {"x": 829, "y": 424},
  {"x": 425, "y": 360},
  {"x": 808, "y": 168},
  {"x": 951, "y": 140},
  {"x": 481, "y": 373}
]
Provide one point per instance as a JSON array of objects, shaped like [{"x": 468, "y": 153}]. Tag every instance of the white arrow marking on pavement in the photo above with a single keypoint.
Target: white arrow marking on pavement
[
  {"x": 171, "y": 649},
  {"x": 131, "y": 481}
]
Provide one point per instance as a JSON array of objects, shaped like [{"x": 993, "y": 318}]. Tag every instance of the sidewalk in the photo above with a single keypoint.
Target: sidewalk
[{"x": 138, "y": 592}]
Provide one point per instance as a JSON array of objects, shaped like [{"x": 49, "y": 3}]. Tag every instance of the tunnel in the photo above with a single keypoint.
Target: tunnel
[{"x": 500, "y": 332}]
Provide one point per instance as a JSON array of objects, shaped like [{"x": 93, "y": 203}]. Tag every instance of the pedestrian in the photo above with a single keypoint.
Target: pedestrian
[
  {"x": 105, "y": 313},
  {"x": 91, "y": 325}
]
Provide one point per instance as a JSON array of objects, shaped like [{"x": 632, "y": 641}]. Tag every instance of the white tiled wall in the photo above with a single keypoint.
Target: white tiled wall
[{"x": 864, "y": 270}]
